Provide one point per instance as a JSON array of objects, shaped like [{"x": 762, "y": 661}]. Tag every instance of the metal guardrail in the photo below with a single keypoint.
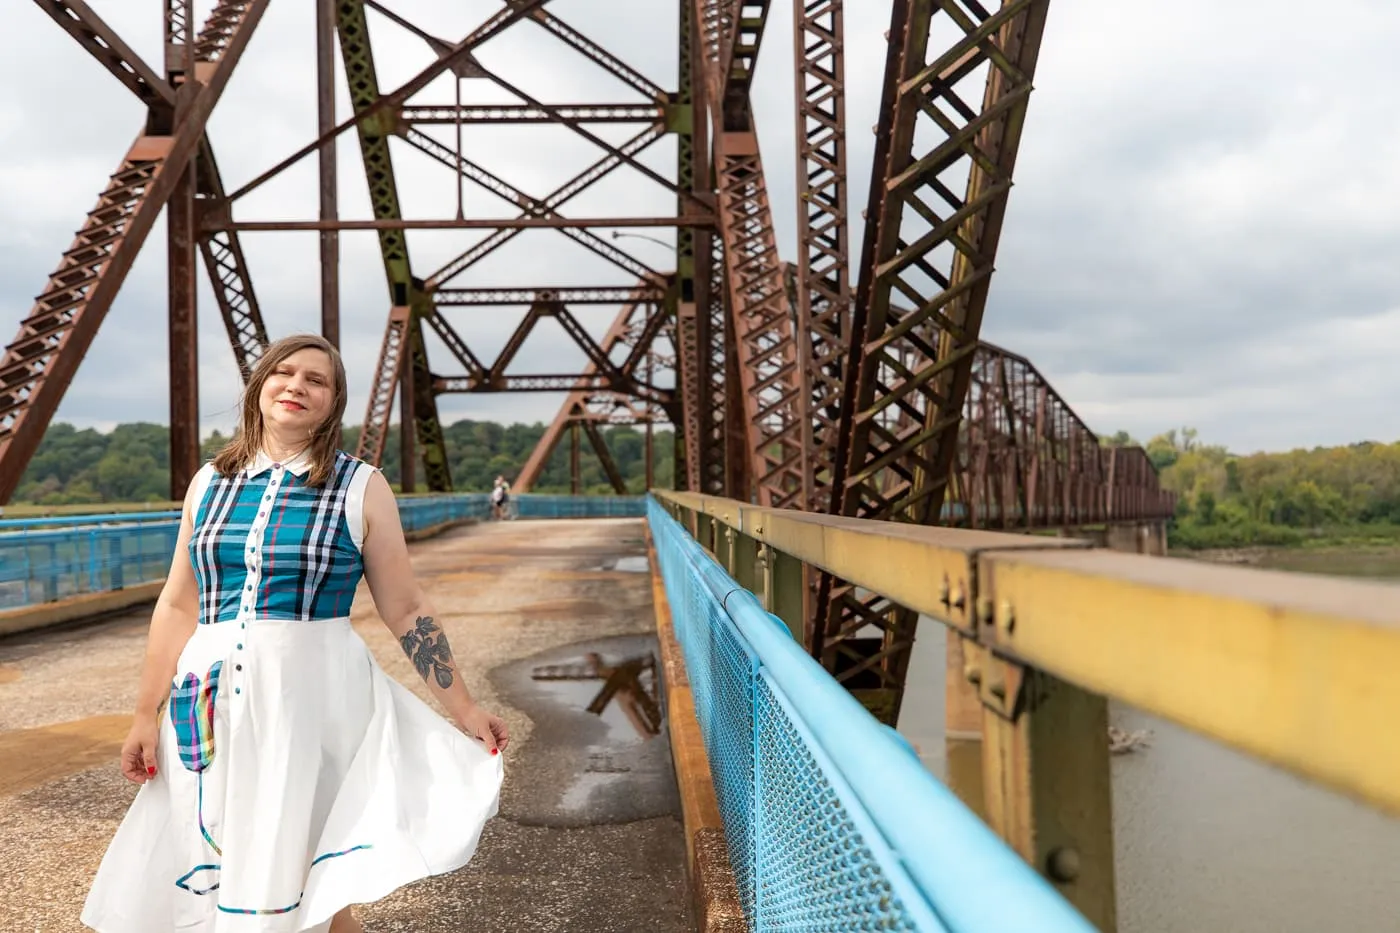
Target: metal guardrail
[
  {"x": 832, "y": 822},
  {"x": 1294, "y": 669},
  {"x": 46, "y": 559}
]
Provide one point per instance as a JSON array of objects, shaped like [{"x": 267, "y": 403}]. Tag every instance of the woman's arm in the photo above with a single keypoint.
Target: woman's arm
[
  {"x": 172, "y": 623},
  {"x": 411, "y": 618}
]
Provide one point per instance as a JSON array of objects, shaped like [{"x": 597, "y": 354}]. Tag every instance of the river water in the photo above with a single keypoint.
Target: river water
[{"x": 1208, "y": 840}]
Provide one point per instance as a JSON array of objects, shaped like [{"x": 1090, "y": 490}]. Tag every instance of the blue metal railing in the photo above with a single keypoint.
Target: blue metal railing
[
  {"x": 831, "y": 821},
  {"x": 44, "y": 559}
]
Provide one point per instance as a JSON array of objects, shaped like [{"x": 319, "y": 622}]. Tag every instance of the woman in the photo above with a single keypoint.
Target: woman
[{"x": 289, "y": 776}]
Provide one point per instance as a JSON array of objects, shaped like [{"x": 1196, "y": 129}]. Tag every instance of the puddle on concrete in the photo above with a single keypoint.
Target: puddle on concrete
[
  {"x": 599, "y": 752},
  {"x": 621, "y": 693},
  {"x": 631, "y": 563},
  {"x": 31, "y": 757}
]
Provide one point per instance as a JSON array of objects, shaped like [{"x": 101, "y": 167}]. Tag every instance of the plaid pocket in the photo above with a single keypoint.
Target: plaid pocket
[{"x": 192, "y": 715}]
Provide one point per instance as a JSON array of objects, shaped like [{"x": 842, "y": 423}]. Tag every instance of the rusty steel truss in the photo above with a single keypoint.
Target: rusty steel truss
[{"x": 859, "y": 388}]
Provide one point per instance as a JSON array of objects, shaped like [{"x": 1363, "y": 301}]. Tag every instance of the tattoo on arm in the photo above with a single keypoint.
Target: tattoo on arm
[{"x": 426, "y": 646}]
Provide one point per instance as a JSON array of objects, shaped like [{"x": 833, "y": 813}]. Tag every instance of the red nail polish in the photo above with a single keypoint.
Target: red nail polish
[
  {"x": 494, "y": 750},
  {"x": 151, "y": 771}
]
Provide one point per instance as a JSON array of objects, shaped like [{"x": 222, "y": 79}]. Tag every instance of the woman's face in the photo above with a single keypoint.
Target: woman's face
[{"x": 298, "y": 394}]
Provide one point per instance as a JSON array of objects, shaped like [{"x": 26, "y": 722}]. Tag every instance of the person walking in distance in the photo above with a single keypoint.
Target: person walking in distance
[
  {"x": 500, "y": 498},
  {"x": 284, "y": 776}
]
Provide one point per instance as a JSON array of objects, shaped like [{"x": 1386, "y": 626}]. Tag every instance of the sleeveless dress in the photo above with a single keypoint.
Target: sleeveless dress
[{"x": 294, "y": 777}]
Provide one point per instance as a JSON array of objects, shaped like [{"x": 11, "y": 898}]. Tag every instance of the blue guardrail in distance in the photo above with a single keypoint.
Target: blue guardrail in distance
[{"x": 45, "y": 559}]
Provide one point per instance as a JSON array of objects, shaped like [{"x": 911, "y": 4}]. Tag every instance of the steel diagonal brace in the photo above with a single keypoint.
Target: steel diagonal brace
[
  {"x": 80, "y": 22},
  {"x": 222, "y": 252},
  {"x": 576, "y": 401},
  {"x": 394, "y": 101},
  {"x": 597, "y": 54},
  {"x": 39, "y": 364},
  {"x": 547, "y": 208},
  {"x": 694, "y": 203},
  {"x": 775, "y": 409},
  {"x": 507, "y": 192}
]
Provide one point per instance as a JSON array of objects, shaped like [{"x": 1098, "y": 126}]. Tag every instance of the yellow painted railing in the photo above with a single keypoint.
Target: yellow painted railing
[{"x": 1301, "y": 671}]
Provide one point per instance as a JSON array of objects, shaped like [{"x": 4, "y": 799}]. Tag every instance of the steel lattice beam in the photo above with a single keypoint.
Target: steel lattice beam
[
  {"x": 769, "y": 377},
  {"x": 930, "y": 243},
  {"x": 636, "y": 326},
  {"x": 39, "y": 363},
  {"x": 1025, "y": 460},
  {"x": 404, "y": 290},
  {"x": 823, "y": 284}
]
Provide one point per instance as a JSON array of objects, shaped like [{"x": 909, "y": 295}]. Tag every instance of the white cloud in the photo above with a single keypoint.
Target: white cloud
[{"x": 1202, "y": 230}]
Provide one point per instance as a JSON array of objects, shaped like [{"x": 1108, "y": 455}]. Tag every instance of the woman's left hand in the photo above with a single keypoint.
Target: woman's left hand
[{"x": 487, "y": 728}]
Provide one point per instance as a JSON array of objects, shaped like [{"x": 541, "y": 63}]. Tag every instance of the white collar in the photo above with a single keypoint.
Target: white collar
[{"x": 299, "y": 465}]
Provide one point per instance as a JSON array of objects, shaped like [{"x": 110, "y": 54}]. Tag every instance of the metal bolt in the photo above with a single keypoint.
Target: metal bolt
[
  {"x": 1008, "y": 617},
  {"x": 945, "y": 593},
  {"x": 973, "y": 673},
  {"x": 998, "y": 690},
  {"x": 1062, "y": 864},
  {"x": 959, "y": 598},
  {"x": 984, "y": 610}
]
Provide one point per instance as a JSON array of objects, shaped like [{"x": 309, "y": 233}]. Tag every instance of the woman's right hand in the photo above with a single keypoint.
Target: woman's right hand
[{"x": 139, "y": 750}]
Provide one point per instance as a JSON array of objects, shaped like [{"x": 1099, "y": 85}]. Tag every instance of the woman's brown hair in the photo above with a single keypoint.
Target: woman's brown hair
[{"x": 248, "y": 438}]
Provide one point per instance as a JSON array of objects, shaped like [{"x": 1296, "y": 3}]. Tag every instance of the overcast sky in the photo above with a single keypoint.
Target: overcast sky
[{"x": 1204, "y": 230}]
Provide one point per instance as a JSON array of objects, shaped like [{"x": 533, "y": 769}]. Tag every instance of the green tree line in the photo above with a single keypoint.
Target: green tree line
[
  {"x": 131, "y": 463},
  {"x": 1321, "y": 495},
  {"x": 1224, "y": 499}
]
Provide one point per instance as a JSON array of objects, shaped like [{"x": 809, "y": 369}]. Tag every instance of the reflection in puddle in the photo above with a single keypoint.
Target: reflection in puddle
[
  {"x": 635, "y": 564},
  {"x": 598, "y": 752},
  {"x": 631, "y": 683}
]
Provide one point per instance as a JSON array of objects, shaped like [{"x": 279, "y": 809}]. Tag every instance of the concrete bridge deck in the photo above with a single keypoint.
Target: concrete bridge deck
[{"x": 589, "y": 836}]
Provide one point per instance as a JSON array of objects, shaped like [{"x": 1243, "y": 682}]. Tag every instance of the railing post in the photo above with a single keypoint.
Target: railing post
[
  {"x": 94, "y": 564},
  {"x": 52, "y": 583},
  {"x": 744, "y": 561},
  {"x": 962, "y": 720},
  {"x": 114, "y": 559},
  {"x": 1047, "y": 785},
  {"x": 784, "y": 588}
]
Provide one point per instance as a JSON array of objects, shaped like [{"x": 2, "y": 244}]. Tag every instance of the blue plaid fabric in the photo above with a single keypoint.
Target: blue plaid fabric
[
  {"x": 308, "y": 564},
  {"x": 192, "y": 715}
]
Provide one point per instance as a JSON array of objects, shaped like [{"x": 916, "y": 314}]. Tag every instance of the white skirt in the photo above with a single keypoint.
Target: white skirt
[{"x": 301, "y": 779}]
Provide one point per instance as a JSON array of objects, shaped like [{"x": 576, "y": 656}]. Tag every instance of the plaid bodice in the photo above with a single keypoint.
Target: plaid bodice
[{"x": 267, "y": 546}]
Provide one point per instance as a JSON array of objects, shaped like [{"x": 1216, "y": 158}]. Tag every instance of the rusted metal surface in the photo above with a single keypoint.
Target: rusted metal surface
[
  {"x": 602, "y": 374},
  {"x": 1025, "y": 460},
  {"x": 483, "y": 114},
  {"x": 936, "y": 245},
  {"x": 93, "y": 34},
  {"x": 822, "y": 289},
  {"x": 222, "y": 252},
  {"x": 326, "y": 170},
  {"x": 404, "y": 289},
  {"x": 940, "y": 195},
  {"x": 39, "y": 363},
  {"x": 183, "y": 289},
  {"x": 375, "y": 428},
  {"x": 636, "y": 328},
  {"x": 214, "y": 223},
  {"x": 228, "y": 273},
  {"x": 181, "y": 262},
  {"x": 573, "y": 295},
  {"x": 769, "y": 378}
]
